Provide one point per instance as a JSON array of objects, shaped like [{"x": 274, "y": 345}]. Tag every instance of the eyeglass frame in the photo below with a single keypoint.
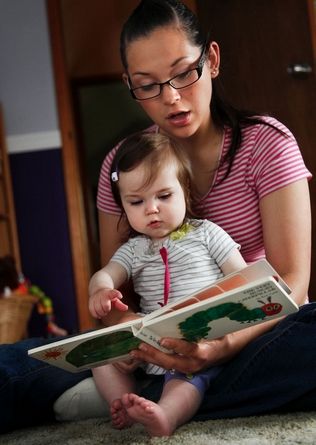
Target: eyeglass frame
[{"x": 198, "y": 68}]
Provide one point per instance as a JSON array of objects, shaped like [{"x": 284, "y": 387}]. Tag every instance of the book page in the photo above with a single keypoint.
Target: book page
[
  {"x": 90, "y": 349},
  {"x": 236, "y": 309},
  {"x": 249, "y": 296}
]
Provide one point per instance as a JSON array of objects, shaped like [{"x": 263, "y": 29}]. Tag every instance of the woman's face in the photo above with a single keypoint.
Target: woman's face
[{"x": 162, "y": 55}]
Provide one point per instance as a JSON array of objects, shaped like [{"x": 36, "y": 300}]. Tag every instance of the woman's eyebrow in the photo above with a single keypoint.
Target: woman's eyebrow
[
  {"x": 143, "y": 73},
  {"x": 178, "y": 60}
]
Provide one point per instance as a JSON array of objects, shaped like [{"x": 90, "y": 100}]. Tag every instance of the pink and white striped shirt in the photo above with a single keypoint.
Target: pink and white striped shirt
[{"x": 265, "y": 162}]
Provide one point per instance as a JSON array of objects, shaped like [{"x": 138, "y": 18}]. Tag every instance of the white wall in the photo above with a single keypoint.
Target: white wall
[{"x": 26, "y": 79}]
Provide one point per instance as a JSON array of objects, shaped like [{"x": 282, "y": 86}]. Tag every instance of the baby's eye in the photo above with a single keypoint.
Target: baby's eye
[
  {"x": 165, "y": 196},
  {"x": 136, "y": 203}
]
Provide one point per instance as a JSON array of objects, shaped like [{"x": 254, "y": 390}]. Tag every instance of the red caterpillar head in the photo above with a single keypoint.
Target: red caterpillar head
[{"x": 270, "y": 308}]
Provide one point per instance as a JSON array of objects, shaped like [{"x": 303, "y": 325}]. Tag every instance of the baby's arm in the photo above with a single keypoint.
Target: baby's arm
[
  {"x": 103, "y": 290},
  {"x": 233, "y": 263}
]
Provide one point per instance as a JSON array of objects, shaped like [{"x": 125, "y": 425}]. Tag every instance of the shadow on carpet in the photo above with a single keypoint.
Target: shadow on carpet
[{"x": 294, "y": 428}]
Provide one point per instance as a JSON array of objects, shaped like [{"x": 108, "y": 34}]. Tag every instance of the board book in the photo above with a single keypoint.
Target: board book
[{"x": 250, "y": 296}]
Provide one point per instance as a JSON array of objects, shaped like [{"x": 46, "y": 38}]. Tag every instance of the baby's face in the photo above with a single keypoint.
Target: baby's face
[{"x": 157, "y": 209}]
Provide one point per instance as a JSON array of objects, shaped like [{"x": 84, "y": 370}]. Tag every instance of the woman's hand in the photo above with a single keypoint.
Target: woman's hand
[
  {"x": 127, "y": 366},
  {"x": 185, "y": 357},
  {"x": 193, "y": 357}
]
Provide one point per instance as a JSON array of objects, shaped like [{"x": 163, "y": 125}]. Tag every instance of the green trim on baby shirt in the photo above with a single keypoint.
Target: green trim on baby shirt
[{"x": 181, "y": 232}]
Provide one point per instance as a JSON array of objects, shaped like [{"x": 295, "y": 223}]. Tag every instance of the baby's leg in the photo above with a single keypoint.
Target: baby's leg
[
  {"x": 178, "y": 403},
  {"x": 112, "y": 384}
]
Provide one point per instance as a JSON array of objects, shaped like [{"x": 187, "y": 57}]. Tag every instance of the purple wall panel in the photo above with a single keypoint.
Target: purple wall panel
[{"x": 41, "y": 213}]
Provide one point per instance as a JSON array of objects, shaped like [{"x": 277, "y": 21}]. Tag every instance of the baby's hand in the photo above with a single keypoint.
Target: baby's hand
[{"x": 101, "y": 303}]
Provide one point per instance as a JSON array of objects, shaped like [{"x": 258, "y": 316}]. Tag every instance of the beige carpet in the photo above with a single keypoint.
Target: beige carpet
[{"x": 296, "y": 428}]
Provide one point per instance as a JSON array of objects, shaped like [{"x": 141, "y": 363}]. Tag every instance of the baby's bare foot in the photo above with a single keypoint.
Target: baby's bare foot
[
  {"x": 148, "y": 413},
  {"x": 119, "y": 415}
]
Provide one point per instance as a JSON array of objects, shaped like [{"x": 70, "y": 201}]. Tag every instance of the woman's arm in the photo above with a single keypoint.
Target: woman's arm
[{"x": 286, "y": 221}]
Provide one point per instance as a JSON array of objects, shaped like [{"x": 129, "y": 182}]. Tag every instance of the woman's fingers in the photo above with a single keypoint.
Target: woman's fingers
[
  {"x": 150, "y": 354},
  {"x": 127, "y": 366},
  {"x": 179, "y": 346},
  {"x": 185, "y": 357}
]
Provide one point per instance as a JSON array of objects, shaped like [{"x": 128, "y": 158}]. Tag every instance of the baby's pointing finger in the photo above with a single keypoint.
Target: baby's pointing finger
[{"x": 115, "y": 294}]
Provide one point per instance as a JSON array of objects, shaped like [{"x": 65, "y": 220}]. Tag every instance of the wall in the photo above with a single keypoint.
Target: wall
[
  {"x": 91, "y": 35},
  {"x": 28, "y": 100}
]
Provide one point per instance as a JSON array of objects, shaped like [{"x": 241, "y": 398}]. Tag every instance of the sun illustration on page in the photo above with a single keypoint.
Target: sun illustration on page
[{"x": 54, "y": 353}]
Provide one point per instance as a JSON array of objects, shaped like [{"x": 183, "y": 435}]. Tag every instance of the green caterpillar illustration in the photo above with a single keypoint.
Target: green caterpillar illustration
[
  {"x": 197, "y": 326},
  {"x": 193, "y": 328},
  {"x": 102, "y": 348}
]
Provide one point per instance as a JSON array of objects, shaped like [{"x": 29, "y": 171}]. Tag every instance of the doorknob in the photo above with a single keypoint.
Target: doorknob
[{"x": 299, "y": 69}]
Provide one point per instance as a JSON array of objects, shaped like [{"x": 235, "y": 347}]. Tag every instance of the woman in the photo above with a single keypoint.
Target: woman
[
  {"x": 249, "y": 179},
  {"x": 248, "y": 163}
]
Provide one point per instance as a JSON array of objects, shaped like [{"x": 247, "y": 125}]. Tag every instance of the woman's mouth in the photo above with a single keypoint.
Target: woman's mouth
[{"x": 179, "y": 119}]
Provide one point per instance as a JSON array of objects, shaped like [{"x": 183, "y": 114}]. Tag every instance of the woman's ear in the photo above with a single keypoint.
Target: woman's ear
[
  {"x": 125, "y": 79},
  {"x": 214, "y": 59}
]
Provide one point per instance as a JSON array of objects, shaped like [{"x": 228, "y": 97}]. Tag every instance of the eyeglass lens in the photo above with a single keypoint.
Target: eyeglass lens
[{"x": 182, "y": 80}]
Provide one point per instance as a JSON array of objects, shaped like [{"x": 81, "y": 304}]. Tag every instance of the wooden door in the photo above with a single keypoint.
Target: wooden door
[
  {"x": 84, "y": 39},
  {"x": 268, "y": 51},
  {"x": 9, "y": 243}
]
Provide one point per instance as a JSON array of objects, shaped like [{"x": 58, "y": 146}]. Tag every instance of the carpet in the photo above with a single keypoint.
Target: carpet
[{"x": 291, "y": 429}]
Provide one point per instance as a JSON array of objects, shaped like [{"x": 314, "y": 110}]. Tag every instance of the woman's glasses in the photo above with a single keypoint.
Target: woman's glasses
[{"x": 179, "y": 81}]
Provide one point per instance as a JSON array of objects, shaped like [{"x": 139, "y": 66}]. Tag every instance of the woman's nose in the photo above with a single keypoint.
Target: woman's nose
[{"x": 169, "y": 94}]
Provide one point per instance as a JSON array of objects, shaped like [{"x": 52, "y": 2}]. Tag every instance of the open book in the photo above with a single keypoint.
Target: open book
[{"x": 253, "y": 295}]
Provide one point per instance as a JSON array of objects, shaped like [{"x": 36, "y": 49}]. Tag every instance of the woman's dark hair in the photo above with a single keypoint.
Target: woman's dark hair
[
  {"x": 153, "y": 151},
  {"x": 152, "y": 14}
]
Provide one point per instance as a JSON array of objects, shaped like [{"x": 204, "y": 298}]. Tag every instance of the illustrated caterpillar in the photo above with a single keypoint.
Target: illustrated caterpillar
[{"x": 197, "y": 326}]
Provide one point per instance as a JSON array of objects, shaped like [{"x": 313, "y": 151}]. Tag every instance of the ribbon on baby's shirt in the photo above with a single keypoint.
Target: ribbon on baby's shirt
[{"x": 164, "y": 255}]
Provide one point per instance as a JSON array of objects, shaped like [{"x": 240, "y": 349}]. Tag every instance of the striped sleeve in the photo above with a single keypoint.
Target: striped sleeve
[
  {"x": 276, "y": 160},
  {"x": 220, "y": 244},
  {"x": 124, "y": 256}
]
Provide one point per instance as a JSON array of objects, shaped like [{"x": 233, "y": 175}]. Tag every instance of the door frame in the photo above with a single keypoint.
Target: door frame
[{"x": 78, "y": 231}]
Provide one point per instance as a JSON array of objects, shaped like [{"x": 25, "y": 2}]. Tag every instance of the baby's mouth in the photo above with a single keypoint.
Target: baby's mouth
[{"x": 154, "y": 224}]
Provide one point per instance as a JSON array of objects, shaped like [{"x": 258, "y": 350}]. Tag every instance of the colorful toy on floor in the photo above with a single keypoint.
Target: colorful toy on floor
[{"x": 11, "y": 282}]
